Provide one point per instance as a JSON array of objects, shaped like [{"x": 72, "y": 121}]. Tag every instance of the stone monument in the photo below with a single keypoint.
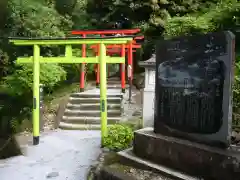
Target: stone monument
[
  {"x": 194, "y": 88},
  {"x": 191, "y": 138},
  {"x": 148, "y": 91}
]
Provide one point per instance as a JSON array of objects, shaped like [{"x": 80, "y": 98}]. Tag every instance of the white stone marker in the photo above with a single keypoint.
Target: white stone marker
[{"x": 149, "y": 91}]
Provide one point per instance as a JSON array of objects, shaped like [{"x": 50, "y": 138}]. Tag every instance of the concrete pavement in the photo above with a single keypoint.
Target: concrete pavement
[{"x": 61, "y": 155}]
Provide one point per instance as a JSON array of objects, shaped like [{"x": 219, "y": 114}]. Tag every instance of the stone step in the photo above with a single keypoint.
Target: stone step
[
  {"x": 129, "y": 157},
  {"x": 92, "y": 113},
  {"x": 117, "y": 86},
  {"x": 88, "y": 120},
  {"x": 94, "y": 95},
  {"x": 93, "y": 106},
  {"x": 76, "y": 100},
  {"x": 112, "y": 81},
  {"x": 117, "y": 78},
  {"x": 69, "y": 126}
]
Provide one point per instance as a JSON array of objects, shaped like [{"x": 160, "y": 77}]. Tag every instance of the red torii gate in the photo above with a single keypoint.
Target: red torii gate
[
  {"x": 111, "y": 49},
  {"x": 119, "y": 49}
]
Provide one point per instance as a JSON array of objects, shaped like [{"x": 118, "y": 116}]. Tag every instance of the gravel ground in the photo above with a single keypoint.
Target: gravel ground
[
  {"x": 61, "y": 155},
  {"x": 132, "y": 109}
]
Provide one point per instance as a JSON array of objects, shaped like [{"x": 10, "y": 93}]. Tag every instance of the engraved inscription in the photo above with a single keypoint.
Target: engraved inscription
[
  {"x": 189, "y": 109},
  {"x": 190, "y": 80}
]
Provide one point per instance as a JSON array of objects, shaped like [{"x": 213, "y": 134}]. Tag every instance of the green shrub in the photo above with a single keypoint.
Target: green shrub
[
  {"x": 236, "y": 95},
  {"x": 236, "y": 87},
  {"x": 33, "y": 19},
  {"x": 224, "y": 15},
  {"x": 18, "y": 92},
  {"x": 119, "y": 137},
  {"x": 21, "y": 81},
  {"x": 187, "y": 25}
]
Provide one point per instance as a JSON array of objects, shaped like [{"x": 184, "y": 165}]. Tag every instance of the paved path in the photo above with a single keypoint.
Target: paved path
[{"x": 61, "y": 155}]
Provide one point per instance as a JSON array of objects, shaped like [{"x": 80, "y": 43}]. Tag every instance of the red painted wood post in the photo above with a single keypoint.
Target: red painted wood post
[
  {"x": 84, "y": 33},
  {"x": 130, "y": 72},
  {"x": 130, "y": 58},
  {"x": 120, "y": 70},
  {"x": 82, "y": 75},
  {"x": 98, "y": 69},
  {"x": 122, "y": 65}
]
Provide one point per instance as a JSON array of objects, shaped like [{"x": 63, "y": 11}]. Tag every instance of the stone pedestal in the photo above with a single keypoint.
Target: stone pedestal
[
  {"x": 186, "y": 156},
  {"x": 149, "y": 91}
]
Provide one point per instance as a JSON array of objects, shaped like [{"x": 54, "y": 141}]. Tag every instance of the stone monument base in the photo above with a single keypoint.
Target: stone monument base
[{"x": 189, "y": 157}]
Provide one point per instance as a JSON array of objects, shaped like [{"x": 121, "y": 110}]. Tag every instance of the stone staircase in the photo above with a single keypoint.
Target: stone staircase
[
  {"x": 83, "y": 109},
  {"x": 115, "y": 83}
]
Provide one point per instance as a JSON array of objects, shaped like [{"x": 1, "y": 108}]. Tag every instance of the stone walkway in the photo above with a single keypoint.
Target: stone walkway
[{"x": 61, "y": 155}]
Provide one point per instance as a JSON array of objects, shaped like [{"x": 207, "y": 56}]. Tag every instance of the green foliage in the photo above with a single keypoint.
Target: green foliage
[
  {"x": 181, "y": 8},
  {"x": 20, "y": 82},
  {"x": 187, "y": 25},
  {"x": 80, "y": 17},
  {"x": 17, "y": 87},
  {"x": 119, "y": 137},
  {"x": 4, "y": 64},
  {"x": 31, "y": 18},
  {"x": 224, "y": 15},
  {"x": 13, "y": 109},
  {"x": 149, "y": 12},
  {"x": 236, "y": 87},
  {"x": 65, "y": 6},
  {"x": 3, "y": 12}
]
